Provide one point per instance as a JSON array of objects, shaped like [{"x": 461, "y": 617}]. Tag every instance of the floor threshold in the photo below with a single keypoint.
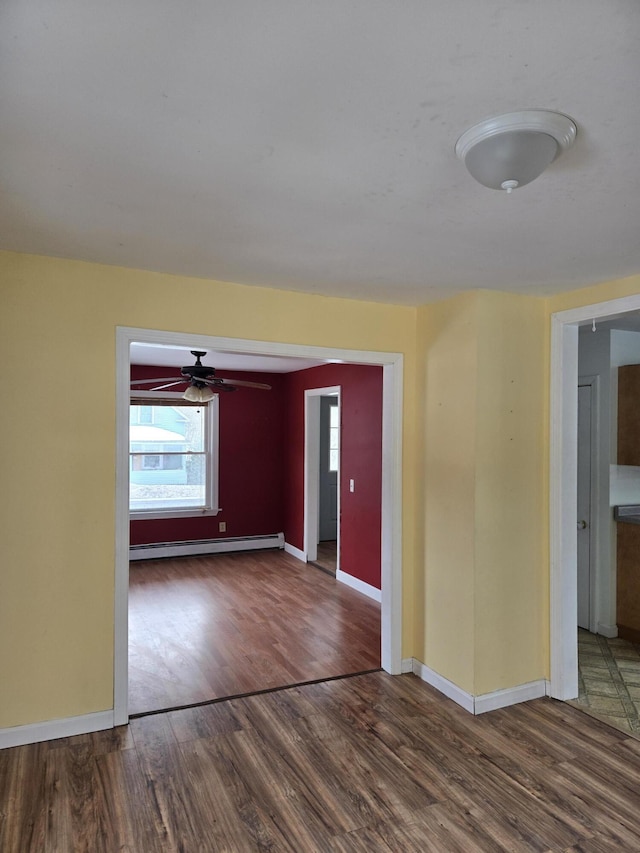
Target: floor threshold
[{"x": 220, "y": 699}]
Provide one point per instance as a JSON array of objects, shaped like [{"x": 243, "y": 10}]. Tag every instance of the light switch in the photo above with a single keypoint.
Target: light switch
[{"x": 352, "y": 485}]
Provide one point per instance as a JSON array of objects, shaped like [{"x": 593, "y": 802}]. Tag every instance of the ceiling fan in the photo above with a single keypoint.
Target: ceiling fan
[{"x": 201, "y": 381}]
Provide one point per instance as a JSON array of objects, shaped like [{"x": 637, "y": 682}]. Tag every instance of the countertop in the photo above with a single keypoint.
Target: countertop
[{"x": 629, "y": 514}]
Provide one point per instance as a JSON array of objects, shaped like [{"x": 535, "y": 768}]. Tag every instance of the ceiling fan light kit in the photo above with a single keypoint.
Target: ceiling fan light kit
[
  {"x": 196, "y": 394},
  {"x": 511, "y": 150}
]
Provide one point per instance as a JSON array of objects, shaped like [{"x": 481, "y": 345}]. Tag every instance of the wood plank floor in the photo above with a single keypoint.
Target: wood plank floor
[
  {"x": 328, "y": 556},
  {"x": 202, "y": 628},
  {"x": 366, "y": 763}
]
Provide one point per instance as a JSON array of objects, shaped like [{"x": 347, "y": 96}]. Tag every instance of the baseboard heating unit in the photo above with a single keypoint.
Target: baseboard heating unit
[{"x": 198, "y": 547}]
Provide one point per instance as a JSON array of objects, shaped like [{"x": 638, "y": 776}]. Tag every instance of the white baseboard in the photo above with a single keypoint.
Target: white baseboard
[
  {"x": 51, "y": 729},
  {"x": 406, "y": 665},
  {"x": 510, "y": 696},
  {"x": 610, "y": 631},
  {"x": 451, "y": 690},
  {"x": 485, "y": 701},
  {"x": 295, "y": 552},
  {"x": 358, "y": 585},
  {"x": 205, "y": 546}
]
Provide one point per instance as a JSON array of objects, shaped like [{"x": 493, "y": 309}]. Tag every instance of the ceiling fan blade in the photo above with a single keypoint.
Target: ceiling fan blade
[
  {"x": 151, "y": 381},
  {"x": 239, "y": 382},
  {"x": 169, "y": 384}
]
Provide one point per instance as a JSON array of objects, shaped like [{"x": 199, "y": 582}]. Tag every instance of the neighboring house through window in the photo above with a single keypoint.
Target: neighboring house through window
[{"x": 173, "y": 456}]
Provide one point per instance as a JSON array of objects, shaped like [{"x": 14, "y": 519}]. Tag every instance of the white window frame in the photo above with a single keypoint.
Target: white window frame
[{"x": 211, "y": 446}]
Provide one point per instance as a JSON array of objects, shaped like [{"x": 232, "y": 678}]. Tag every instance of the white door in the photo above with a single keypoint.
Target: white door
[
  {"x": 329, "y": 464},
  {"x": 584, "y": 506}
]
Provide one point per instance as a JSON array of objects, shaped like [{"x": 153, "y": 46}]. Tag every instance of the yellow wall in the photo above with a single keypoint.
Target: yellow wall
[
  {"x": 448, "y": 349},
  {"x": 483, "y": 589},
  {"x": 475, "y": 486},
  {"x": 484, "y": 525},
  {"x": 593, "y": 295},
  {"x": 511, "y": 521},
  {"x": 57, "y": 332}
]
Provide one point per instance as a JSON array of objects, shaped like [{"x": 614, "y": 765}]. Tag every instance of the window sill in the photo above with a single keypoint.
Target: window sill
[{"x": 172, "y": 513}]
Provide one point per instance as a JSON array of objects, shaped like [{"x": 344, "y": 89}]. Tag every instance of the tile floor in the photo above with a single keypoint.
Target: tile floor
[{"x": 609, "y": 680}]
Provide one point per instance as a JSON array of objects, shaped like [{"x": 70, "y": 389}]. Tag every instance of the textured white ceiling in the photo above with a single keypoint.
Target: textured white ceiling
[{"x": 308, "y": 144}]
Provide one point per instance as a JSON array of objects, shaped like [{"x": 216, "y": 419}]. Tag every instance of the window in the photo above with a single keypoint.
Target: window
[
  {"x": 334, "y": 437},
  {"x": 151, "y": 462},
  {"x": 141, "y": 414},
  {"x": 173, "y": 456}
]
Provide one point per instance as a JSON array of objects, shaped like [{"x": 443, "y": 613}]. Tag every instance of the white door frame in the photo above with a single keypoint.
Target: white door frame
[
  {"x": 312, "y": 468},
  {"x": 563, "y": 480},
  {"x": 391, "y": 551}
]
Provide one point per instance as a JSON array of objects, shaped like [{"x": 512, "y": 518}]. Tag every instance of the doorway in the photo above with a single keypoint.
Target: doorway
[
  {"x": 391, "y": 610},
  {"x": 329, "y": 469},
  {"x": 564, "y": 486},
  {"x": 586, "y": 501},
  {"x": 321, "y": 477},
  {"x": 328, "y": 554}
]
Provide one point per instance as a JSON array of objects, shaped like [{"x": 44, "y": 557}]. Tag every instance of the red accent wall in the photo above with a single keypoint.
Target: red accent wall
[
  {"x": 262, "y": 464},
  {"x": 251, "y": 478},
  {"x": 361, "y": 460}
]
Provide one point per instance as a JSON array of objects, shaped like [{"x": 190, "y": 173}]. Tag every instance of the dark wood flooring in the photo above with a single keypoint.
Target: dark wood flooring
[
  {"x": 327, "y": 557},
  {"x": 366, "y": 763},
  {"x": 202, "y": 628}
]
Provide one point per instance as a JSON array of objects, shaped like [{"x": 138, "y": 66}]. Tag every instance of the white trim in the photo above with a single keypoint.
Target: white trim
[
  {"x": 510, "y": 696},
  {"x": 143, "y": 515},
  {"x": 448, "y": 688},
  {"x": 157, "y": 550},
  {"x": 610, "y": 631},
  {"x": 358, "y": 585},
  {"x": 253, "y": 347},
  {"x": 295, "y": 552},
  {"x": 312, "y": 467},
  {"x": 612, "y": 309},
  {"x": 51, "y": 729},
  {"x": 486, "y": 701},
  {"x": 563, "y": 486},
  {"x": 391, "y": 535},
  {"x": 563, "y": 508},
  {"x": 406, "y": 665},
  {"x": 311, "y": 497},
  {"x": 121, "y": 592}
]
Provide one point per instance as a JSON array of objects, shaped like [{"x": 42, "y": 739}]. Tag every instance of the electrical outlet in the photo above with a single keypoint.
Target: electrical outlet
[
  {"x": 222, "y": 527},
  {"x": 352, "y": 485}
]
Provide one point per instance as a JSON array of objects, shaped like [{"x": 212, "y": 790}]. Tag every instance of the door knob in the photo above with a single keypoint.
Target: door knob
[{"x": 582, "y": 525}]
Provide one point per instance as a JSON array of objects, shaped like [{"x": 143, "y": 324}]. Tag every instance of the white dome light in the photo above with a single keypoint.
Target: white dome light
[{"x": 511, "y": 150}]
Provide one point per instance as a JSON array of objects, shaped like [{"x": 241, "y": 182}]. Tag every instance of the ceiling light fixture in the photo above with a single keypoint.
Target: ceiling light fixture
[
  {"x": 511, "y": 150},
  {"x": 198, "y": 394}
]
